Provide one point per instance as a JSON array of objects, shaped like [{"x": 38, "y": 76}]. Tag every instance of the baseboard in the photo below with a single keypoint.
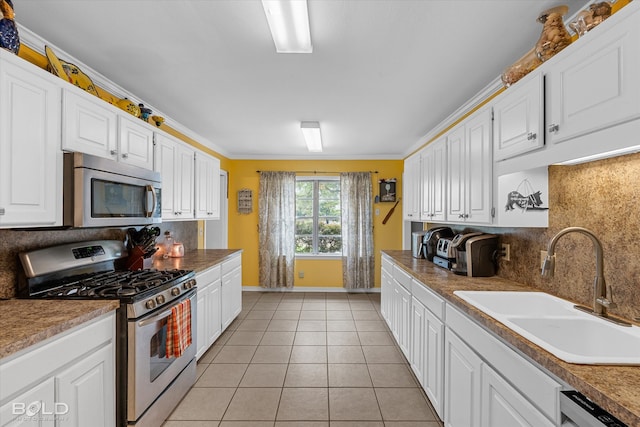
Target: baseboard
[{"x": 311, "y": 289}]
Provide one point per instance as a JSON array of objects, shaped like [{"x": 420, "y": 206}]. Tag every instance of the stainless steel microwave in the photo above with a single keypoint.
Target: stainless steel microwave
[{"x": 101, "y": 192}]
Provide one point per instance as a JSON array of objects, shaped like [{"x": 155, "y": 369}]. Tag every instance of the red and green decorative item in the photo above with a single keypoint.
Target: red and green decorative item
[{"x": 9, "y": 38}]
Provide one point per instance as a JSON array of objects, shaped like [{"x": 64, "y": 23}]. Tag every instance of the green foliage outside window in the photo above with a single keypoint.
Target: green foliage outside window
[{"x": 318, "y": 227}]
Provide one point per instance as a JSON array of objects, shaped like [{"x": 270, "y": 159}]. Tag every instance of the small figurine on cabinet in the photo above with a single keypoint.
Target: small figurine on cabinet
[
  {"x": 9, "y": 38},
  {"x": 144, "y": 112}
]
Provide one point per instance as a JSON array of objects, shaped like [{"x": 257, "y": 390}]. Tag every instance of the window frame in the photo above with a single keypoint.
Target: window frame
[{"x": 316, "y": 205}]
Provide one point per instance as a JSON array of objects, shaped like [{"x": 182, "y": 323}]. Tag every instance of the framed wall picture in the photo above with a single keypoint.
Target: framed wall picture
[{"x": 387, "y": 190}]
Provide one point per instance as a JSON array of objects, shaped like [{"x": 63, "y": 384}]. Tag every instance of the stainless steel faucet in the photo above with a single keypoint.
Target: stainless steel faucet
[{"x": 601, "y": 293}]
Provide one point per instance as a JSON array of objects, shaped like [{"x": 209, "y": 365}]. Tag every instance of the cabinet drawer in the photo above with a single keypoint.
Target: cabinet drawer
[
  {"x": 521, "y": 374},
  {"x": 230, "y": 265},
  {"x": 401, "y": 277},
  {"x": 387, "y": 265},
  {"x": 208, "y": 276},
  {"x": 428, "y": 298}
]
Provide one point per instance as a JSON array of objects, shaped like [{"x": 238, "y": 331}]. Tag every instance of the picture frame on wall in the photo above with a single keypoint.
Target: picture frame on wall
[{"x": 387, "y": 190}]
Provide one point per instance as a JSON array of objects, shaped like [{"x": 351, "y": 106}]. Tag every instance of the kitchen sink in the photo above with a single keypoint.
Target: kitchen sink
[{"x": 555, "y": 325}]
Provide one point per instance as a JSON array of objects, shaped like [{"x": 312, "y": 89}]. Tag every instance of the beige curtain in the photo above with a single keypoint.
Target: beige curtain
[
  {"x": 357, "y": 230},
  {"x": 276, "y": 207}
]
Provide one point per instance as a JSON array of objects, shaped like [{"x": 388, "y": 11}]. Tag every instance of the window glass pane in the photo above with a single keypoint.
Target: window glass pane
[
  {"x": 304, "y": 244},
  {"x": 329, "y": 244},
  {"x": 304, "y": 208},
  {"x": 318, "y": 227}
]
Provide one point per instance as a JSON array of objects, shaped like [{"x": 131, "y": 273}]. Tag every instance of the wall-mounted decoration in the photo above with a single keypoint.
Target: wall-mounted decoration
[
  {"x": 523, "y": 199},
  {"x": 387, "y": 190},
  {"x": 245, "y": 201}
]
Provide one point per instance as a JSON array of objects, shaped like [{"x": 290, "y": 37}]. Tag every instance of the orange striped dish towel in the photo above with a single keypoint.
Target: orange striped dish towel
[{"x": 179, "y": 329}]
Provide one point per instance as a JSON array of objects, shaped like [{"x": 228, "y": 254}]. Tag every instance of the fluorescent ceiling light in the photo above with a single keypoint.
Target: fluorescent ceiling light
[
  {"x": 600, "y": 156},
  {"x": 311, "y": 132},
  {"x": 289, "y": 24}
]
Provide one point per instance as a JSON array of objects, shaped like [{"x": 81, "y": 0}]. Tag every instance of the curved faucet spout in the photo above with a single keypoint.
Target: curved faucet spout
[{"x": 600, "y": 301}]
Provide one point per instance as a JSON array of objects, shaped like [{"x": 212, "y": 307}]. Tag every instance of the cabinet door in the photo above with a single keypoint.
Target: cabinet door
[
  {"x": 404, "y": 320},
  {"x": 214, "y": 316},
  {"x": 202, "y": 343},
  {"x": 386, "y": 296},
  {"x": 427, "y": 177},
  {"x": 184, "y": 181},
  {"x": 418, "y": 353},
  {"x": 479, "y": 165},
  {"x": 439, "y": 181},
  {"x": 597, "y": 85},
  {"x": 89, "y": 125},
  {"x": 207, "y": 186},
  {"x": 502, "y": 405},
  {"x": 456, "y": 174},
  {"x": 411, "y": 188},
  {"x": 518, "y": 124},
  {"x": 88, "y": 388},
  {"x": 30, "y": 154},
  {"x": 433, "y": 368},
  {"x": 462, "y": 378},
  {"x": 164, "y": 162},
  {"x": 29, "y": 409},
  {"x": 136, "y": 143}
]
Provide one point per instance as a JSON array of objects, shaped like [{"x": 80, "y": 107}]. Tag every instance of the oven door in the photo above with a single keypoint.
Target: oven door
[{"x": 149, "y": 371}]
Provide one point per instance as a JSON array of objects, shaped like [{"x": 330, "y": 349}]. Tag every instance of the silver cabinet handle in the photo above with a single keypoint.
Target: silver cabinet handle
[
  {"x": 125, "y": 156},
  {"x": 1, "y": 211},
  {"x": 460, "y": 216},
  {"x": 531, "y": 136},
  {"x": 113, "y": 152},
  {"x": 466, "y": 216},
  {"x": 553, "y": 128}
]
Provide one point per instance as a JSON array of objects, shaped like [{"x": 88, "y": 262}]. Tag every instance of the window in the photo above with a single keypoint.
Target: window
[{"x": 318, "y": 228}]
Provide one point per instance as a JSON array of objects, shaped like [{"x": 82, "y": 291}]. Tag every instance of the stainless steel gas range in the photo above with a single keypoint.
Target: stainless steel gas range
[{"x": 150, "y": 381}]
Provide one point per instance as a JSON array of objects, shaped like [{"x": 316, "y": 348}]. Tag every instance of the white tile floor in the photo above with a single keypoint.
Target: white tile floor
[{"x": 305, "y": 360}]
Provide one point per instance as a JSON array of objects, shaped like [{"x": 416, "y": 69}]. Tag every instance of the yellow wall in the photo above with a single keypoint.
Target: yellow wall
[{"x": 243, "y": 228}]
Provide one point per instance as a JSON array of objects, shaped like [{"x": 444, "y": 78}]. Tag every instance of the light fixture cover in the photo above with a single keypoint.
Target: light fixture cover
[
  {"x": 289, "y": 24},
  {"x": 312, "y": 136}
]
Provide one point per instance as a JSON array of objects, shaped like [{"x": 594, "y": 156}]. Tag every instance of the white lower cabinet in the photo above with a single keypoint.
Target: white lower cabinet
[
  {"x": 471, "y": 377},
  {"x": 231, "y": 292},
  {"x": 209, "y": 318},
  {"x": 426, "y": 359},
  {"x": 461, "y": 383},
  {"x": 68, "y": 381}
]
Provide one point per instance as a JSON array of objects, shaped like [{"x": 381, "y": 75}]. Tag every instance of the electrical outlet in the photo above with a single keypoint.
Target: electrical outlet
[
  {"x": 506, "y": 250},
  {"x": 543, "y": 255},
  {"x": 301, "y": 274},
  {"x": 377, "y": 211}
]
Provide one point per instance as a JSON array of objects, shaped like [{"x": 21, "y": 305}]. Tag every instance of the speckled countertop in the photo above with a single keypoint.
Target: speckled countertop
[
  {"x": 26, "y": 322},
  {"x": 196, "y": 259},
  {"x": 615, "y": 388}
]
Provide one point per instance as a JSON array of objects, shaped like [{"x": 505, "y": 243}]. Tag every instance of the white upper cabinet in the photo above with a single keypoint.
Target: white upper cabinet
[
  {"x": 89, "y": 125},
  {"x": 434, "y": 178},
  {"x": 207, "y": 175},
  {"x": 411, "y": 188},
  {"x": 596, "y": 86},
  {"x": 30, "y": 155},
  {"x": 136, "y": 142},
  {"x": 470, "y": 170},
  {"x": 518, "y": 118},
  {"x": 175, "y": 161},
  {"x": 92, "y": 126}
]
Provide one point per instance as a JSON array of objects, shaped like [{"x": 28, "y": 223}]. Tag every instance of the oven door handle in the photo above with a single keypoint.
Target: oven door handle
[
  {"x": 164, "y": 314},
  {"x": 150, "y": 189}
]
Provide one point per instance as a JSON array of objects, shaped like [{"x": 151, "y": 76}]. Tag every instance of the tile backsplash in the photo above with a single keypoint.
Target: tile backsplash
[
  {"x": 603, "y": 197},
  {"x": 12, "y": 242}
]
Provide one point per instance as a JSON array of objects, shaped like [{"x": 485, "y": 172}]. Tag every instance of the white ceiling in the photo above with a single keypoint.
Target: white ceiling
[{"x": 382, "y": 74}]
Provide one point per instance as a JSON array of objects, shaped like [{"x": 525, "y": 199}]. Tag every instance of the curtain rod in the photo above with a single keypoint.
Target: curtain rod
[{"x": 258, "y": 171}]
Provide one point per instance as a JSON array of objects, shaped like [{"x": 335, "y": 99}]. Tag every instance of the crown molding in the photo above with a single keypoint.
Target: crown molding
[{"x": 37, "y": 43}]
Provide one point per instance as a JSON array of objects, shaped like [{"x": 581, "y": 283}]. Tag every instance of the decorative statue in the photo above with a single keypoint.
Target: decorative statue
[{"x": 9, "y": 38}]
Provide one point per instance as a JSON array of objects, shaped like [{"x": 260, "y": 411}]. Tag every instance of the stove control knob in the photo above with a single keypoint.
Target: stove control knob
[
  {"x": 189, "y": 284},
  {"x": 150, "y": 304},
  {"x": 160, "y": 299},
  {"x": 175, "y": 292}
]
